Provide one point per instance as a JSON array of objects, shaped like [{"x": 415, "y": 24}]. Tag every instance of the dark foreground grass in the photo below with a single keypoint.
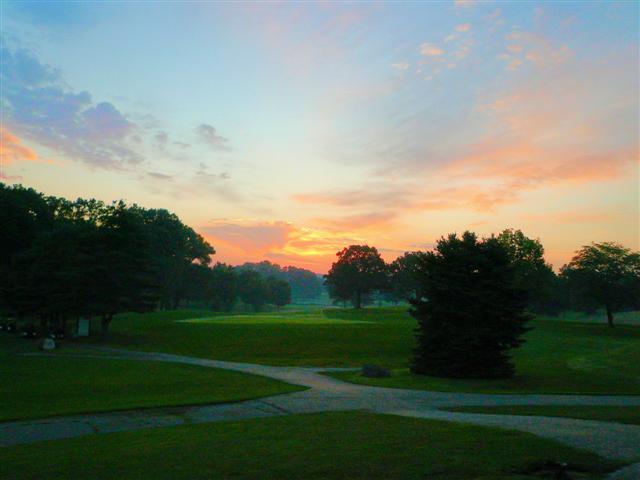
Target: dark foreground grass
[
  {"x": 558, "y": 357},
  {"x": 33, "y": 387},
  {"x": 629, "y": 415},
  {"x": 320, "y": 446}
]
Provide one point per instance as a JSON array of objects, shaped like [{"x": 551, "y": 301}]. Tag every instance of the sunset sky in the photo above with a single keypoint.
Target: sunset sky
[{"x": 285, "y": 131}]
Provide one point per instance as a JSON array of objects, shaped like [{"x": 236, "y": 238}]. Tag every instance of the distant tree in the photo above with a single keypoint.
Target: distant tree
[
  {"x": 532, "y": 273},
  {"x": 359, "y": 271},
  {"x": 222, "y": 291},
  {"x": 404, "y": 276},
  {"x": 305, "y": 284},
  {"x": 264, "y": 268},
  {"x": 469, "y": 310},
  {"x": 279, "y": 292},
  {"x": 252, "y": 289},
  {"x": 196, "y": 284},
  {"x": 604, "y": 274}
]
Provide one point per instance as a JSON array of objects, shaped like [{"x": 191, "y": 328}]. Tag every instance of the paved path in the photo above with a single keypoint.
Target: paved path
[{"x": 610, "y": 440}]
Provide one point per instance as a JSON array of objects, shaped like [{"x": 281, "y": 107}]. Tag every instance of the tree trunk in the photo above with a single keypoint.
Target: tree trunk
[
  {"x": 609, "y": 315},
  {"x": 358, "y": 299},
  {"x": 43, "y": 325},
  {"x": 176, "y": 302},
  {"x": 104, "y": 324}
]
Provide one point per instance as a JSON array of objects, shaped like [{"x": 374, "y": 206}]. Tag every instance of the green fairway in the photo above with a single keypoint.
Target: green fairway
[
  {"x": 629, "y": 415},
  {"x": 558, "y": 357},
  {"x": 300, "y": 318},
  {"x": 319, "y": 446},
  {"x": 333, "y": 337},
  {"x": 44, "y": 386}
]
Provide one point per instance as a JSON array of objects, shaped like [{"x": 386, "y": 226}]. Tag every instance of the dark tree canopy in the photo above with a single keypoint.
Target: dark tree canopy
[
  {"x": 176, "y": 246},
  {"x": 470, "y": 312},
  {"x": 404, "y": 276},
  {"x": 532, "y": 273},
  {"x": 222, "y": 290},
  {"x": 279, "y": 291},
  {"x": 253, "y": 289},
  {"x": 64, "y": 259},
  {"x": 606, "y": 275},
  {"x": 359, "y": 271}
]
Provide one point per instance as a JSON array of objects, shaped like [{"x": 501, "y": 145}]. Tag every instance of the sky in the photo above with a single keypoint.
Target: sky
[{"x": 287, "y": 131}]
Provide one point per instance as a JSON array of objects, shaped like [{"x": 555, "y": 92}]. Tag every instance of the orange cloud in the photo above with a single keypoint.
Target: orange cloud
[
  {"x": 12, "y": 150},
  {"x": 430, "y": 50},
  {"x": 240, "y": 240}
]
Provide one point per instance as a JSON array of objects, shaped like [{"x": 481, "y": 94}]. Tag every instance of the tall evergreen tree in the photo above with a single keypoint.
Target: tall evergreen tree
[{"x": 470, "y": 312}]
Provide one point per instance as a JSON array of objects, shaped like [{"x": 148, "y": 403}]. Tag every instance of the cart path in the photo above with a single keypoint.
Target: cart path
[{"x": 610, "y": 440}]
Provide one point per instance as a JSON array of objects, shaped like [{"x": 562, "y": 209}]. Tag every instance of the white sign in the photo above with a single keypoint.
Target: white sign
[{"x": 83, "y": 327}]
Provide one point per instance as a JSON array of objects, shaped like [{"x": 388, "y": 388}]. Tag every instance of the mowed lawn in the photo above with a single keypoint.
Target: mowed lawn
[
  {"x": 558, "y": 357},
  {"x": 630, "y": 415},
  {"x": 33, "y": 387},
  {"x": 352, "y": 445}
]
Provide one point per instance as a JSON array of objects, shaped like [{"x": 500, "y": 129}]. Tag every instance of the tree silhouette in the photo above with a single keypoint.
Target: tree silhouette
[
  {"x": 359, "y": 270},
  {"x": 605, "y": 274},
  {"x": 532, "y": 273},
  {"x": 470, "y": 312}
]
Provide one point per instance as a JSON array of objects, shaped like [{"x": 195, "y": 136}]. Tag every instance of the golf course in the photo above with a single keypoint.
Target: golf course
[{"x": 95, "y": 376}]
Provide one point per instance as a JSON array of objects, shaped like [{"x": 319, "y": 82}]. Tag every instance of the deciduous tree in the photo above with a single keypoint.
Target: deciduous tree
[
  {"x": 605, "y": 274},
  {"x": 359, "y": 271}
]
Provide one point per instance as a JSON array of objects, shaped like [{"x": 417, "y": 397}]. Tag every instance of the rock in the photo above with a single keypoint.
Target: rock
[
  {"x": 375, "y": 371},
  {"x": 48, "y": 344}
]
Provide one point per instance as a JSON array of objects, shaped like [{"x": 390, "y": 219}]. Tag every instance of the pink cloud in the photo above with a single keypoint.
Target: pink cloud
[{"x": 12, "y": 150}]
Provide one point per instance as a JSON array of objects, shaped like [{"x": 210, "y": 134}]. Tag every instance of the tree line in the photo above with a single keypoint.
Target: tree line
[
  {"x": 65, "y": 259},
  {"x": 600, "y": 276},
  {"x": 471, "y": 297}
]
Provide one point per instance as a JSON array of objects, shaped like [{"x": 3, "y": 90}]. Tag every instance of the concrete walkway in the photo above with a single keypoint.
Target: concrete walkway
[{"x": 610, "y": 440}]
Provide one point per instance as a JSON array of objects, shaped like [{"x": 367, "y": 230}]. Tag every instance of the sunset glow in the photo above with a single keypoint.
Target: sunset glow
[{"x": 288, "y": 131}]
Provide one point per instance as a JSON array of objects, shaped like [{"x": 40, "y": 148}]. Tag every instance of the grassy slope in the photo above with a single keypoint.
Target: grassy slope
[
  {"x": 45, "y": 386},
  {"x": 629, "y": 415},
  {"x": 331, "y": 445},
  {"x": 559, "y": 357}
]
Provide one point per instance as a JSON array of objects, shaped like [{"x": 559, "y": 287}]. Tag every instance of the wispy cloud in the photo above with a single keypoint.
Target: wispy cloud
[
  {"x": 400, "y": 65},
  {"x": 430, "y": 50},
  {"x": 39, "y": 106},
  {"x": 210, "y": 136}
]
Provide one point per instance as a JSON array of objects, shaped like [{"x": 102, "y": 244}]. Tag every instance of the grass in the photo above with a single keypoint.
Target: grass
[
  {"x": 558, "y": 357},
  {"x": 33, "y": 387},
  {"x": 630, "y": 415},
  {"x": 319, "y": 446},
  {"x": 332, "y": 337}
]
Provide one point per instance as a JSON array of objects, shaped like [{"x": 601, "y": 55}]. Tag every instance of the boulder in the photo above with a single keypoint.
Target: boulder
[
  {"x": 375, "y": 371},
  {"x": 48, "y": 344}
]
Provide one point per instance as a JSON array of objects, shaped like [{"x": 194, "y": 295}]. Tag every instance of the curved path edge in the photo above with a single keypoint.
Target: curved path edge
[{"x": 611, "y": 440}]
